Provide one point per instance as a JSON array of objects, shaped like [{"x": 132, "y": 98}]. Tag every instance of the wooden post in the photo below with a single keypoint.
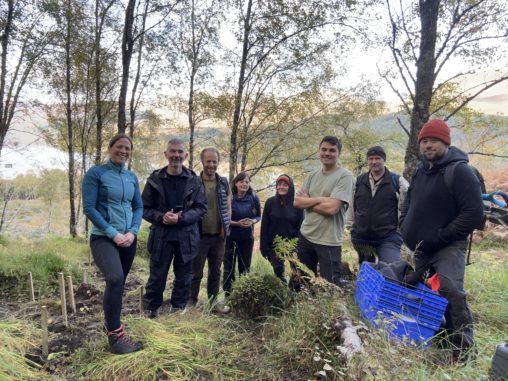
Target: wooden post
[
  {"x": 61, "y": 282},
  {"x": 71, "y": 293},
  {"x": 141, "y": 292},
  {"x": 44, "y": 325},
  {"x": 31, "y": 285},
  {"x": 85, "y": 276}
]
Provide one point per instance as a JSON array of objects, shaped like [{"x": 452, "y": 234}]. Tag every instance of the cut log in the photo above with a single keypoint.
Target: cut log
[{"x": 350, "y": 342}]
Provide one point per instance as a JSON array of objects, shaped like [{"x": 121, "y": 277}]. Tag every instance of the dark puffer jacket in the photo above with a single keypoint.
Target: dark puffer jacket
[
  {"x": 194, "y": 207},
  {"x": 434, "y": 216},
  {"x": 281, "y": 218},
  {"x": 222, "y": 191}
]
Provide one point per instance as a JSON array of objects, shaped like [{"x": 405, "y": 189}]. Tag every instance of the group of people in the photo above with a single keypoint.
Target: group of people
[{"x": 201, "y": 218}]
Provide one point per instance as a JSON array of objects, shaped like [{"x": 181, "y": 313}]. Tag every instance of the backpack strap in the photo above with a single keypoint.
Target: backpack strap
[
  {"x": 395, "y": 177},
  {"x": 449, "y": 174}
]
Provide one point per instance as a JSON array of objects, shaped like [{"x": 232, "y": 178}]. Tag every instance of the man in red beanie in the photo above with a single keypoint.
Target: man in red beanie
[{"x": 437, "y": 222}]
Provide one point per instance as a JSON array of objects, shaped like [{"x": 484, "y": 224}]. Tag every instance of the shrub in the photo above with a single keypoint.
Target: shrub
[{"x": 257, "y": 295}]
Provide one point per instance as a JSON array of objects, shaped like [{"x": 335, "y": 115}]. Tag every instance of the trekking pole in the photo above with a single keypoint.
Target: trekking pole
[{"x": 468, "y": 260}]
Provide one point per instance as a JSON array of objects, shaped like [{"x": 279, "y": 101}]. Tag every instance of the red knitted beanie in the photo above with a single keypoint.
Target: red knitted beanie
[
  {"x": 436, "y": 128},
  {"x": 283, "y": 178}
]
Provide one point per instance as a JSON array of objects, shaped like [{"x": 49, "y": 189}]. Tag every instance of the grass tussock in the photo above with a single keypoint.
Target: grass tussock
[
  {"x": 16, "y": 338},
  {"x": 185, "y": 347},
  {"x": 44, "y": 267},
  {"x": 44, "y": 259}
]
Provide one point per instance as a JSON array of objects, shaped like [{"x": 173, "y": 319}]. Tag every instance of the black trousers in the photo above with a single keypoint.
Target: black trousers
[
  {"x": 236, "y": 251},
  {"x": 449, "y": 263},
  {"x": 211, "y": 249},
  {"x": 328, "y": 257},
  {"x": 159, "y": 268},
  {"x": 115, "y": 263},
  {"x": 278, "y": 265}
]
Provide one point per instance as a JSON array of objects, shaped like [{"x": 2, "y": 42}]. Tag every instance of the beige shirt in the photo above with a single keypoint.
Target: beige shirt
[{"x": 318, "y": 228}]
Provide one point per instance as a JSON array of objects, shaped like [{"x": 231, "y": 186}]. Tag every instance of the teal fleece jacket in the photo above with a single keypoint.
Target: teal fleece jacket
[{"x": 112, "y": 200}]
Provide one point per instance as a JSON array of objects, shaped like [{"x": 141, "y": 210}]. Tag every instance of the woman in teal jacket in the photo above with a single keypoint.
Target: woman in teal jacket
[{"x": 112, "y": 201}]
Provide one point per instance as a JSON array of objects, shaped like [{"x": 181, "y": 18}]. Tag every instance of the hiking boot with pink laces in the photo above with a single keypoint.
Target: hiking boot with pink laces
[{"x": 120, "y": 343}]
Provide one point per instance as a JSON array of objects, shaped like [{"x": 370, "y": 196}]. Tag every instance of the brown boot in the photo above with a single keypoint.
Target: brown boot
[{"x": 120, "y": 343}]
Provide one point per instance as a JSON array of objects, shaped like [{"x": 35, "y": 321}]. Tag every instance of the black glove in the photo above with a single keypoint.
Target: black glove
[{"x": 413, "y": 278}]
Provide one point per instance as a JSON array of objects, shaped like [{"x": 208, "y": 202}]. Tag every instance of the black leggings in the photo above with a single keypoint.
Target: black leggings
[
  {"x": 236, "y": 249},
  {"x": 115, "y": 263}
]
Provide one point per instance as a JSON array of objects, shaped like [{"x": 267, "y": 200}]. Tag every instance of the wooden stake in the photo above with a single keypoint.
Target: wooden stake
[
  {"x": 31, "y": 285},
  {"x": 44, "y": 325},
  {"x": 85, "y": 276},
  {"x": 71, "y": 293},
  {"x": 141, "y": 292},
  {"x": 61, "y": 282}
]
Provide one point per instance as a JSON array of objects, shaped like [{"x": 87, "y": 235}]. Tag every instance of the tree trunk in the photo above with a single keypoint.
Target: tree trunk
[
  {"x": 233, "y": 145},
  {"x": 127, "y": 50},
  {"x": 4, "y": 209},
  {"x": 6, "y": 34},
  {"x": 133, "y": 103},
  {"x": 49, "y": 215},
  {"x": 192, "y": 122},
  {"x": 70, "y": 143},
  {"x": 98, "y": 86},
  {"x": 425, "y": 78}
]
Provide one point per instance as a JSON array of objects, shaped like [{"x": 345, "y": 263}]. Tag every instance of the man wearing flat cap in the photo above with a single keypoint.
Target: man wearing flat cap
[
  {"x": 378, "y": 197},
  {"x": 438, "y": 221}
]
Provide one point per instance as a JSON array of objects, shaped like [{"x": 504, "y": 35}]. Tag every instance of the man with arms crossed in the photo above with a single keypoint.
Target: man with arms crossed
[{"x": 325, "y": 196}]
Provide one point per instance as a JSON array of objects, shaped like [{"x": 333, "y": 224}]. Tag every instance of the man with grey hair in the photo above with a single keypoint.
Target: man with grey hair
[
  {"x": 174, "y": 201},
  {"x": 214, "y": 227}
]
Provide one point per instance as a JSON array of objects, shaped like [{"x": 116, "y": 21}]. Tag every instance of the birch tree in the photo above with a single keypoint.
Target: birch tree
[{"x": 437, "y": 42}]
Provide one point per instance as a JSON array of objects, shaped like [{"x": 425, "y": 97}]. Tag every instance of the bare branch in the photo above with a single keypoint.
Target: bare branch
[
  {"x": 468, "y": 99},
  {"x": 403, "y": 127},
  {"x": 487, "y": 154}
]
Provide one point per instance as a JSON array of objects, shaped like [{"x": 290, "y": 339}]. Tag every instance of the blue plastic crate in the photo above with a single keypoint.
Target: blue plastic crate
[{"x": 403, "y": 311}]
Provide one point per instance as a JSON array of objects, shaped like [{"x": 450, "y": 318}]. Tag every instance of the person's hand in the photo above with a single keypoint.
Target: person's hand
[
  {"x": 246, "y": 222},
  {"x": 171, "y": 218},
  {"x": 129, "y": 239},
  {"x": 301, "y": 193},
  {"x": 120, "y": 240}
]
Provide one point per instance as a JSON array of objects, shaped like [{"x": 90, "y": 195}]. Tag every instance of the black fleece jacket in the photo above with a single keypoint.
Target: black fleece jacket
[
  {"x": 281, "y": 218},
  {"x": 434, "y": 216},
  {"x": 155, "y": 206}
]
